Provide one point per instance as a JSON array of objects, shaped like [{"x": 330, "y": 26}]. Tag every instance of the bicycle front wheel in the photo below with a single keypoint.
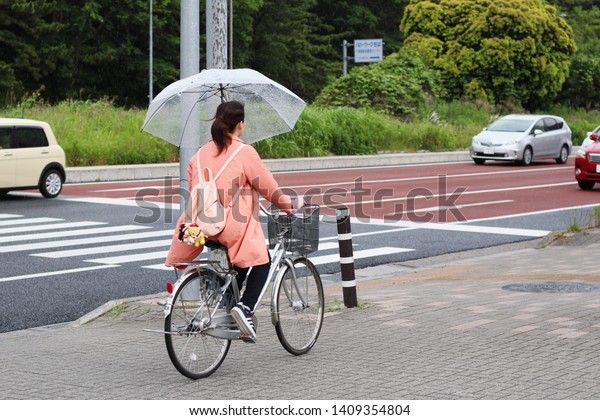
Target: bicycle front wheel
[
  {"x": 298, "y": 306},
  {"x": 193, "y": 351}
]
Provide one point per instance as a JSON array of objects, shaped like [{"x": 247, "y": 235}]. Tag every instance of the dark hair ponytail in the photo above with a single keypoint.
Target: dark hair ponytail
[{"x": 228, "y": 115}]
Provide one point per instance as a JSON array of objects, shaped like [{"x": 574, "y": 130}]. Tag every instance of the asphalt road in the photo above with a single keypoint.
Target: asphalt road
[{"x": 62, "y": 258}]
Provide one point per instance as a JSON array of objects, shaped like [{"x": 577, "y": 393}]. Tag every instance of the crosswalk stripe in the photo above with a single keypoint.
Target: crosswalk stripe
[
  {"x": 53, "y": 226},
  {"x": 56, "y": 273},
  {"x": 323, "y": 259},
  {"x": 121, "y": 259},
  {"x": 66, "y": 233},
  {"x": 32, "y": 221},
  {"x": 374, "y": 252},
  {"x": 104, "y": 249},
  {"x": 9, "y": 216},
  {"x": 84, "y": 241}
]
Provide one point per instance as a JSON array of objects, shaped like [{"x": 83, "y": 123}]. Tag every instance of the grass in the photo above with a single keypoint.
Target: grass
[
  {"x": 98, "y": 133},
  {"x": 116, "y": 310},
  {"x": 335, "y": 305}
]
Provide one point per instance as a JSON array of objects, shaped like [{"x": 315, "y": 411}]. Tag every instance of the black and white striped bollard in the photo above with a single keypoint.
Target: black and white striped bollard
[{"x": 346, "y": 257}]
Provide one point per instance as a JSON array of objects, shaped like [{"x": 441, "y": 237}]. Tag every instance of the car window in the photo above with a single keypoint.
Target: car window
[
  {"x": 29, "y": 137},
  {"x": 551, "y": 124},
  {"x": 5, "y": 135},
  {"x": 510, "y": 125},
  {"x": 539, "y": 126}
]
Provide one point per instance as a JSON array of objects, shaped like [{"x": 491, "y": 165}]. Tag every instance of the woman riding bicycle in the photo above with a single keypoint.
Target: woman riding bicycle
[{"x": 243, "y": 235}]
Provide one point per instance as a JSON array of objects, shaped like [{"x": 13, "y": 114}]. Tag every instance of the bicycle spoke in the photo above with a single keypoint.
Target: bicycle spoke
[
  {"x": 299, "y": 307},
  {"x": 193, "y": 352}
]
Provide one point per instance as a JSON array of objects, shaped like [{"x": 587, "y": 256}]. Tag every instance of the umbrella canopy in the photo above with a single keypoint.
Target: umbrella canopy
[{"x": 183, "y": 111}]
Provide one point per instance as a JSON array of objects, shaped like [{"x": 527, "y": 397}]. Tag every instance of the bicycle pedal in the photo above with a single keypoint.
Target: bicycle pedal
[{"x": 246, "y": 338}]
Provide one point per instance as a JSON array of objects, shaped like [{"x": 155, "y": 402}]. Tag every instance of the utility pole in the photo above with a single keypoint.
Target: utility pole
[
  {"x": 216, "y": 34},
  {"x": 150, "y": 94},
  {"x": 189, "y": 65}
]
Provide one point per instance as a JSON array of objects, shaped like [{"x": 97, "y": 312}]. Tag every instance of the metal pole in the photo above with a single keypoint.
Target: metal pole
[
  {"x": 216, "y": 34},
  {"x": 189, "y": 65},
  {"x": 230, "y": 32},
  {"x": 150, "y": 94},
  {"x": 346, "y": 257},
  {"x": 345, "y": 57}
]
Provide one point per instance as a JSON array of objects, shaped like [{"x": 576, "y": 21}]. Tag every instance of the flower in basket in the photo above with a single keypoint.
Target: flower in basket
[{"x": 191, "y": 235}]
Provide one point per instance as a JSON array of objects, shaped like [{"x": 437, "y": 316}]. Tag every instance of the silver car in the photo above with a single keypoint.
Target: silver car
[{"x": 523, "y": 138}]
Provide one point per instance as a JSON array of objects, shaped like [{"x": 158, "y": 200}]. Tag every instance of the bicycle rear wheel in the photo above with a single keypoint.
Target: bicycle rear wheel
[
  {"x": 298, "y": 306},
  {"x": 193, "y": 352}
]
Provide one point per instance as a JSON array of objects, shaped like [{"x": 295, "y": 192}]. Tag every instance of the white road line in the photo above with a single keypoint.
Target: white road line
[
  {"x": 534, "y": 213},
  {"x": 156, "y": 187},
  {"x": 104, "y": 249},
  {"x": 37, "y": 228},
  {"x": 367, "y": 253},
  {"x": 322, "y": 247},
  {"x": 454, "y": 227},
  {"x": 66, "y": 233},
  {"x": 421, "y": 178},
  {"x": 56, "y": 273},
  {"x": 32, "y": 221},
  {"x": 120, "y": 202},
  {"x": 459, "y": 206},
  {"x": 122, "y": 259},
  {"x": 10, "y": 216},
  {"x": 85, "y": 241},
  {"x": 451, "y": 194}
]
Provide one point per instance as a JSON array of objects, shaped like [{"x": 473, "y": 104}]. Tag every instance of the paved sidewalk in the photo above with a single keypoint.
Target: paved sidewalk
[{"x": 458, "y": 328}]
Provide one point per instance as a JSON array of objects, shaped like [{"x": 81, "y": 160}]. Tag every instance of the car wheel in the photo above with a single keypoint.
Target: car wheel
[
  {"x": 527, "y": 156},
  {"x": 564, "y": 155},
  {"x": 51, "y": 183},
  {"x": 479, "y": 161},
  {"x": 586, "y": 185}
]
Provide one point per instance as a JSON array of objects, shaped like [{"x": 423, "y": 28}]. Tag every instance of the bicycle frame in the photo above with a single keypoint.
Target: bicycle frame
[{"x": 214, "y": 263}]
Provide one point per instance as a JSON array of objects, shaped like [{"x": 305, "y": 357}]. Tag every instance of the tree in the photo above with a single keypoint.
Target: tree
[
  {"x": 286, "y": 44},
  {"x": 583, "y": 84},
  {"x": 498, "y": 50},
  {"x": 88, "y": 48},
  {"x": 399, "y": 85}
]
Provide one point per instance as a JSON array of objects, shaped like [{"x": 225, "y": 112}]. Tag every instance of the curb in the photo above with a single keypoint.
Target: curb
[{"x": 171, "y": 170}]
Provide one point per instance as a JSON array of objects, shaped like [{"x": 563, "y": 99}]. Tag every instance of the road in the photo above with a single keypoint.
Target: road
[{"x": 62, "y": 258}]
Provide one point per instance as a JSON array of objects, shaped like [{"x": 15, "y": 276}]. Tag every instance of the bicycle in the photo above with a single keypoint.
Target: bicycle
[{"x": 199, "y": 328}]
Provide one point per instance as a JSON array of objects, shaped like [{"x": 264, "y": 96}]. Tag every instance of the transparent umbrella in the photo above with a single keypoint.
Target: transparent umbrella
[{"x": 188, "y": 106}]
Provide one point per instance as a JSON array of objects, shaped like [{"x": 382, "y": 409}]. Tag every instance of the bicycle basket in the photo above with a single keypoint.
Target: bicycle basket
[{"x": 301, "y": 232}]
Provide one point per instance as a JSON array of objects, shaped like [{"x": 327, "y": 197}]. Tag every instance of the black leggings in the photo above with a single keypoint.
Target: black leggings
[{"x": 254, "y": 284}]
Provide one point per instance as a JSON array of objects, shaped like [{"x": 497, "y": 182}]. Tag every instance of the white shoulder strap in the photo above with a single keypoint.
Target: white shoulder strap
[
  {"x": 234, "y": 154},
  {"x": 227, "y": 162}
]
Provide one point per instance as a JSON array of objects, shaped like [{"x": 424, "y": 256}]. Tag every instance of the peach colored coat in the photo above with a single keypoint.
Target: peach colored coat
[{"x": 243, "y": 234}]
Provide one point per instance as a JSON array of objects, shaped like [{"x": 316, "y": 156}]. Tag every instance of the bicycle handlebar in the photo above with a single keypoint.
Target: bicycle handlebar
[{"x": 305, "y": 211}]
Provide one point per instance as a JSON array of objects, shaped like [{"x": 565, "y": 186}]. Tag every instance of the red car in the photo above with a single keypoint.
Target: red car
[{"x": 587, "y": 164}]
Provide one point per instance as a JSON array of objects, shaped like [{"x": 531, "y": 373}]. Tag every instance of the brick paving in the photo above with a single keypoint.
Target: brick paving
[{"x": 433, "y": 330}]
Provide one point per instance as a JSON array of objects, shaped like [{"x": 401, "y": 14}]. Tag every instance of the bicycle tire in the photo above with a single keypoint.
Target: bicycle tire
[
  {"x": 194, "y": 353},
  {"x": 298, "y": 310}
]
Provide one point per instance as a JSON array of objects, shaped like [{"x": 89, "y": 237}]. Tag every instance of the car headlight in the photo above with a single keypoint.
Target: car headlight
[
  {"x": 512, "y": 142},
  {"x": 475, "y": 141},
  {"x": 581, "y": 153}
]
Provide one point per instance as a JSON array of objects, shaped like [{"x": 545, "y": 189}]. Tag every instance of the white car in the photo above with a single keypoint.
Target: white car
[
  {"x": 588, "y": 140},
  {"x": 523, "y": 138},
  {"x": 30, "y": 157}
]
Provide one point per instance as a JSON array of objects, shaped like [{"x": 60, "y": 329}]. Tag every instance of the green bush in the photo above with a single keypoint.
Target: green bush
[{"x": 400, "y": 85}]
